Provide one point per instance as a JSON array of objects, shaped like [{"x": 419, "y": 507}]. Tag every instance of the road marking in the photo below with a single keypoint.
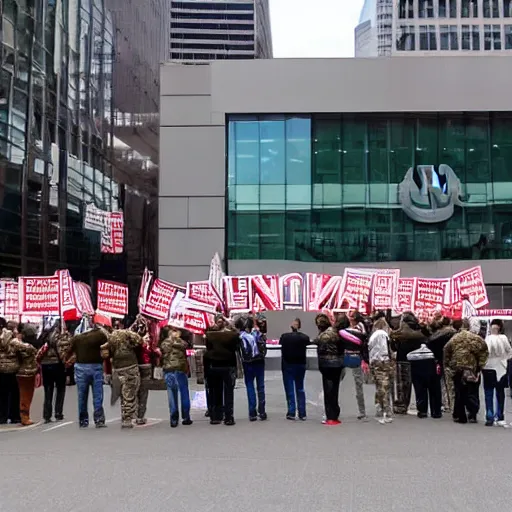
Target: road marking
[
  {"x": 60, "y": 425},
  {"x": 112, "y": 420},
  {"x": 19, "y": 428},
  {"x": 151, "y": 422}
]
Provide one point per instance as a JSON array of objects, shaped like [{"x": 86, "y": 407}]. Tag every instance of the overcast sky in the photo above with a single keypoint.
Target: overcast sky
[{"x": 314, "y": 28}]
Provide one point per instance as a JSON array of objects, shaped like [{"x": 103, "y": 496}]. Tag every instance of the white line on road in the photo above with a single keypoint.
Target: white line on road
[
  {"x": 60, "y": 425},
  {"x": 112, "y": 420},
  {"x": 151, "y": 422}
]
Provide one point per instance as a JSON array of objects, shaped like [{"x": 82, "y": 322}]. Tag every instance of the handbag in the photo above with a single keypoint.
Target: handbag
[{"x": 351, "y": 360}]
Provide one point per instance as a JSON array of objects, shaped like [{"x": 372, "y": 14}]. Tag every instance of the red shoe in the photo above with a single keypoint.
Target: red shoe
[{"x": 331, "y": 423}]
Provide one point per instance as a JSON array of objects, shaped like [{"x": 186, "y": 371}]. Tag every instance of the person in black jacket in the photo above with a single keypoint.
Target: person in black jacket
[{"x": 293, "y": 366}]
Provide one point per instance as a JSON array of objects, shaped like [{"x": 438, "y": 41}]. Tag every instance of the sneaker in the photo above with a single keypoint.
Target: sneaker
[
  {"x": 362, "y": 417},
  {"x": 422, "y": 415},
  {"x": 59, "y": 417},
  {"x": 207, "y": 414},
  {"x": 141, "y": 421},
  {"x": 502, "y": 424},
  {"x": 473, "y": 420},
  {"x": 489, "y": 423},
  {"x": 174, "y": 423},
  {"x": 253, "y": 418},
  {"x": 303, "y": 418},
  {"x": 263, "y": 417},
  {"x": 215, "y": 422},
  {"x": 331, "y": 423},
  {"x": 187, "y": 422},
  {"x": 388, "y": 419},
  {"x": 102, "y": 424},
  {"x": 46, "y": 422},
  {"x": 126, "y": 425},
  {"x": 290, "y": 417},
  {"x": 229, "y": 422},
  {"x": 84, "y": 425}
]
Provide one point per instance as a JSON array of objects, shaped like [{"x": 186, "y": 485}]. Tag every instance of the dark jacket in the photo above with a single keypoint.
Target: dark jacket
[
  {"x": 406, "y": 339},
  {"x": 329, "y": 348},
  {"x": 87, "y": 346},
  {"x": 121, "y": 347},
  {"x": 55, "y": 349},
  {"x": 294, "y": 347},
  {"x": 221, "y": 347},
  {"x": 438, "y": 340},
  {"x": 9, "y": 362},
  {"x": 466, "y": 351}
]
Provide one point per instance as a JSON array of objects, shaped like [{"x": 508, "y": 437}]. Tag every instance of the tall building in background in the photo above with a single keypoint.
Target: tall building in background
[
  {"x": 439, "y": 27},
  {"x": 79, "y": 94},
  {"x": 220, "y": 29}
]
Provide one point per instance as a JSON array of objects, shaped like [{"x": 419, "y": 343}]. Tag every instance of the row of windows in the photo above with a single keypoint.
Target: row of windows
[
  {"x": 454, "y": 37},
  {"x": 449, "y": 9},
  {"x": 213, "y": 26},
  {"x": 212, "y": 16},
  {"x": 211, "y": 46},
  {"x": 208, "y": 56},
  {"x": 213, "y": 6},
  {"x": 216, "y": 37}
]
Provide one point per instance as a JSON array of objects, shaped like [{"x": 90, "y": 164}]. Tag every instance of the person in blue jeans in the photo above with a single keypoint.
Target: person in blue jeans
[
  {"x": 253, "y": 350},
  {"x": 293, "y": 365},
  {"x": 173, "y": 346},
  {"x": 89, "y": 373}
]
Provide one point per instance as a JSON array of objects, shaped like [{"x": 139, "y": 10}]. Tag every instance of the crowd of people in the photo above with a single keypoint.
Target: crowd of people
[{"x": 444, "y": 361}]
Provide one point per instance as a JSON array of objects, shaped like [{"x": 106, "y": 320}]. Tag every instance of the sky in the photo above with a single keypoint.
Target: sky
[{"x": 314, "y": 28}]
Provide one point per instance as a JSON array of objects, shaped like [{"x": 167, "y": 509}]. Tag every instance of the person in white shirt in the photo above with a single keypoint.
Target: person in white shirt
[
  {"x": 495, "y": 374},
  {"x": 381, "y": 366}
]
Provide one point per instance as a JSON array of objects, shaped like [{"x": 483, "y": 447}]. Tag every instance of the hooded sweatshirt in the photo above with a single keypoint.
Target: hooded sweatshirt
[
  {"x": 378, "y": 346},
  {"x": 406, "y": 339},
  {"x": 500, "y": 351},
  {"x": 438, "y": 340}
]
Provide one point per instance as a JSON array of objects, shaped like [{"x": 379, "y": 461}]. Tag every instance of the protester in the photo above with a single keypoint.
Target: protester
[
  {"x": 381, "y": 366},
  {"x": 495, "y": 374},
  {"x": 356, "y": 351},
  {"x": 174, "y": 347},
  {"x": 144, "y": 354},
  {"x": 293, "y": 366},
  {"x": 222, "y": 346},
  {"x": 405, "y": 339},
  {"x": 330, "y": 364},
  {"x": 89, "y": 373},
  {"x": 426, "y": 379},
  {"x": 252, "y": 352},
  {"x": 121, "y": 350},
  {"x": 9, "y": 391},
  {"x": 52, "y": 357},
  {"x": 466, "y": 355},
  {"x": 442, "y": 331}
]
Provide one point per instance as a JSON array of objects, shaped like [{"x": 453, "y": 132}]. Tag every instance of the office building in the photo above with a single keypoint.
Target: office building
[
  {"x": 281, "y": 172},
  {"x": 62, "y": 118},
  {"x": 219, "y": 29},
  {"x": 434, "y": 27}
]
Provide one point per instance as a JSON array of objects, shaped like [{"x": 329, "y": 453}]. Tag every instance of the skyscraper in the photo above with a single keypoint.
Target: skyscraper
[
  {"x": 441, "y": 27},
  {"x": 219, "y": 29}
]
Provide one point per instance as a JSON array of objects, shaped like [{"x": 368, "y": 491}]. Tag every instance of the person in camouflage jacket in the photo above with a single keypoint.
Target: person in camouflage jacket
[
  {"x": 174, "y": 364},
  {"x": 465, "y": 355},
  {"x": 52, "y": 358},
  {"x": 9, "y": 367},
  {"x": 121, "y": 348}
]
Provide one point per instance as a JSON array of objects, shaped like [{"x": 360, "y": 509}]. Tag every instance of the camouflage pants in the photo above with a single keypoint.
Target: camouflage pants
[
  {"x": 142, "y": 399},
  {"x": 403, "y": 387},
  {"x": 448, "y": 390},
  {"x": 359, "y": 382},
  {"x": 129, "y": 380},
  {"x": 382, "y": 372}
]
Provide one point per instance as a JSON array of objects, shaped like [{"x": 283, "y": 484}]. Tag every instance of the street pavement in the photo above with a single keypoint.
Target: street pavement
[{"x": 278, "y": 465}]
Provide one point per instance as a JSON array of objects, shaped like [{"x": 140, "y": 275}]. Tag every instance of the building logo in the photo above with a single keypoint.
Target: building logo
[{"x": 428, "y": 195}]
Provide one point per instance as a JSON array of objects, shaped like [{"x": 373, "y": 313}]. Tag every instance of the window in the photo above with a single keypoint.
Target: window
[
  {"x": 406, "y": 38},
  {"x": 508, "y": 37},
  {"x": 476, "y": 37},
  {"x": 469, "y": 9},
  {"x": 466, "y": 38},
  {"x": 454, "y": 37},
  {"x": 507, "y": 8},
  {"x": 496, "y": 36},
  {"x": 428, "y": 37},
  {"x": 425, "y": 8},
  {"x": 442, "y": 9},
  {"x": 495, "y": 8},
  {"x": 487, "y": 8},
  {"x": 487, "y": 37},
  {"x": 449, "y": 37},
  {"x": 406, "y": 9},
  {"x": 444, "y": 37},
  {"x": 453, "y": 8}
]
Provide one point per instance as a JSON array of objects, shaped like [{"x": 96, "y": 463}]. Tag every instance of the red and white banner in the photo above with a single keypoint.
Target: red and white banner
[
  {"x": 112, "y": 299},
  {"x": 83, "y": 298},
  {"x": 201, "y": 297},
  {"x": 94, "y": 218},
  {"x": 238, "y": 293},
  {"x": 145, "y": 283},
  {"x": 160, "y": 299},
  {"x": 266, "y": 293},
  {"x": 321, "y": 291},
  {"x": 405, "y": 294},
  {"x": 216, "y": 277},
  {"x": 39, "y": 296},
  {"x": 292, "y": 291},
  {"x": 9, "y": 300},
  {"x": 68, "y": 305},
  {"x": 503, "y": 314},
  {"x": 470, "y": 283},
  {"x": 431, "y": 294},
  {"x": 112, "y": 236},
  {"x": 355, "y": 291},
  {"x": 385, "y": 289}
]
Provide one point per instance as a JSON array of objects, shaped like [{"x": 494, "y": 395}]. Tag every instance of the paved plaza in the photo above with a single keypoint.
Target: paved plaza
[{"x": 274, "y": 466}]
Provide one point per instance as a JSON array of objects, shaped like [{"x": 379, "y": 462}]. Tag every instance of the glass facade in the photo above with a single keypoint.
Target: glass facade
[{"x": 335, "y": 188}]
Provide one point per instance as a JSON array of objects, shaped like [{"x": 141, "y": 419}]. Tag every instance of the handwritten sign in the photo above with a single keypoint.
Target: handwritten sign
[
  {"x": 39, "y": 296},
  {"x": 112, "y": 299},
  {"x": 470, "y": 283}
]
